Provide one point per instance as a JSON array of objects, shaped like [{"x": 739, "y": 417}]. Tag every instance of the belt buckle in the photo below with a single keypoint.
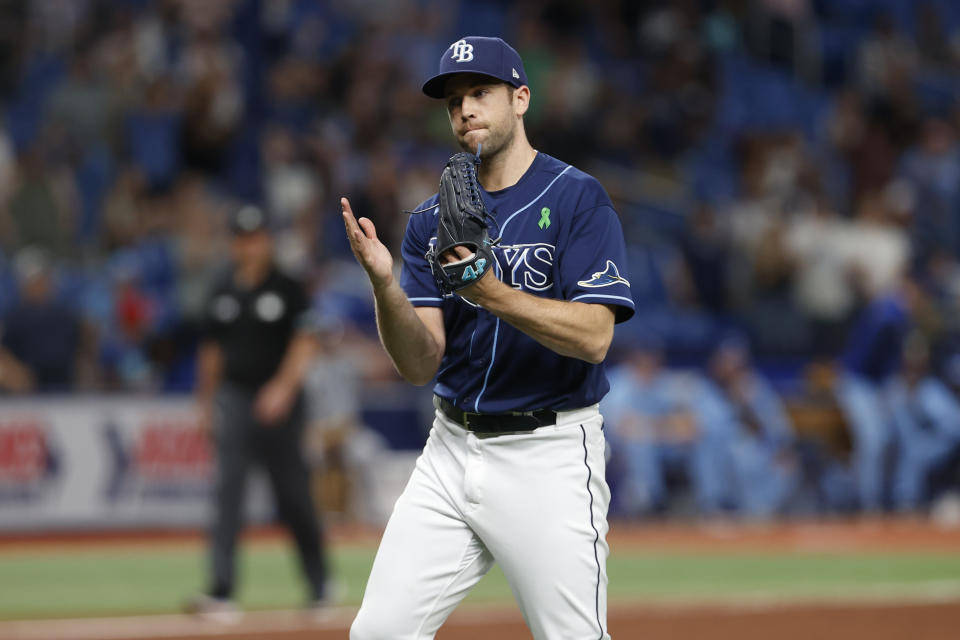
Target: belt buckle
[{"x": 466, "y": 419}]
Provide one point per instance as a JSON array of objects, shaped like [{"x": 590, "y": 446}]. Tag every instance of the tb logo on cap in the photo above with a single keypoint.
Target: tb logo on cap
[{"x": 462, "y": 52}]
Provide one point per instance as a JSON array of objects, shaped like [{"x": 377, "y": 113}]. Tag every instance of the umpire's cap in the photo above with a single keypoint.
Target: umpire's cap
[
  {"x": 247, "y": 219},
  {"x": 476, "y": 54}
]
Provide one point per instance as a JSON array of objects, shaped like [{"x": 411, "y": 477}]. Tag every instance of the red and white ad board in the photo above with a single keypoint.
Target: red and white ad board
[{"x": 106, "y": 463}]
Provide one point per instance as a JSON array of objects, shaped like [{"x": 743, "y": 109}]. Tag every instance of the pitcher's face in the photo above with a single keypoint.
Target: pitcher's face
[{"x": 482, "y": 111}]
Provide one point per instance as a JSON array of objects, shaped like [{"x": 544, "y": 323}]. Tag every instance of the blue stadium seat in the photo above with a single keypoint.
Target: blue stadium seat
[
  {"x": 153, "y": 140},
  {"x": 26, "y": 111},
  {"x": 94, "y": 177}
]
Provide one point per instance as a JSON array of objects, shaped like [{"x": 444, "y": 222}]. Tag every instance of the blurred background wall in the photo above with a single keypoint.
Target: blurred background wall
[{"x": 787, "y": 173}]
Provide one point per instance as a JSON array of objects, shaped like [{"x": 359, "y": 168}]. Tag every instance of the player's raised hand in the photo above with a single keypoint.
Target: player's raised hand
[{"x": 369, "y": 251}]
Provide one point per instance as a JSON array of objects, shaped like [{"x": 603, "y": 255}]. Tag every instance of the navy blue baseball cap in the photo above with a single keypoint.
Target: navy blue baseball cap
[{"x": 476, "y": 54}]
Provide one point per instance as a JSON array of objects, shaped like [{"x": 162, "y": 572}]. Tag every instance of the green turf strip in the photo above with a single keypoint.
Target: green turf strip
[
  {"x": 125, "y": 580},
  {"x": 720, "y": 577}
]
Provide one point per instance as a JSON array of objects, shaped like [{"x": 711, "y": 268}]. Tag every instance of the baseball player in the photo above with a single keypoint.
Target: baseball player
[{"x": 513, "y": 469}]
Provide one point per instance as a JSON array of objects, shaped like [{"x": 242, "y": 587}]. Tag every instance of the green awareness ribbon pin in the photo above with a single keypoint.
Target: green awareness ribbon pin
[{"x": 544, "y": 218}]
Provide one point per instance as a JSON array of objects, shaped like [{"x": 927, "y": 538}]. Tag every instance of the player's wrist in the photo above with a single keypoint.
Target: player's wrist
[{"x": 381, "y": 282}]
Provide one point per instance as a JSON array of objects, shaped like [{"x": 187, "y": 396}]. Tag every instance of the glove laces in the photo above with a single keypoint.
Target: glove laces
[{"x": 471, "y": 169}]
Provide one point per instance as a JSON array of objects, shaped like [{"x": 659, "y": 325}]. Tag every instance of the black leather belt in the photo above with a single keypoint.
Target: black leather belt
[{"x": 488, "y": 423}]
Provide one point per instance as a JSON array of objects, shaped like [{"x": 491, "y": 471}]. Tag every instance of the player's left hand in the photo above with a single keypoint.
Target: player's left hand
[
  {"x": 273, "y": 402},
  {"x": 463, "y": 250}
]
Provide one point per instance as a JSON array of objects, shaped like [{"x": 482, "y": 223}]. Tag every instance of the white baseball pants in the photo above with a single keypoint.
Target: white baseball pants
[{"x": 536, "y": 503}]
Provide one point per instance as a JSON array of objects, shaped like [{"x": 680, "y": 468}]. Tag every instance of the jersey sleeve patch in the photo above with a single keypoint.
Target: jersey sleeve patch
[
  {"x": 609, "y": 276},
  {"x": 593, "y": 266}
]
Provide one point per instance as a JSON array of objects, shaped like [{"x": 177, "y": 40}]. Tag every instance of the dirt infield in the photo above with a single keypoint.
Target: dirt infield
[
  {"x": 875, "y": 622},
  {"x": 923, "y": 617},
  {"x": 888, "y": 621}
]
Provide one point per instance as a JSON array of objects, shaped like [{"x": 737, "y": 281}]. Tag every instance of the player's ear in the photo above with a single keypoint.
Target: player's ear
[{"x": 521, "y": 100}]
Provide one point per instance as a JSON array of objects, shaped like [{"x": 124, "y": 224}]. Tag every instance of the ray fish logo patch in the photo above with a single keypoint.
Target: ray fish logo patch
[{"x": 610, "y": 275}]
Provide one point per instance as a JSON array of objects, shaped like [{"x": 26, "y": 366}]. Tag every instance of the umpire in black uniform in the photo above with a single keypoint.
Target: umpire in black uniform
[{"x": 256, "y": 348}]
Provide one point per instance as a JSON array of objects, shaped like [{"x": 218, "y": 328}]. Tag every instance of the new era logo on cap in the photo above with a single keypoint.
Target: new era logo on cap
[{"x": 476, "y": 54}]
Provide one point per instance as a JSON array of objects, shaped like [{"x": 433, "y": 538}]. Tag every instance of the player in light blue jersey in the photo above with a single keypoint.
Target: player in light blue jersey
[{"x": 513, "y": 470}]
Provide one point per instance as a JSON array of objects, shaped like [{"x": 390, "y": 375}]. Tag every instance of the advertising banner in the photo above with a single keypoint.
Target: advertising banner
[{"x": 107, "y": 463}]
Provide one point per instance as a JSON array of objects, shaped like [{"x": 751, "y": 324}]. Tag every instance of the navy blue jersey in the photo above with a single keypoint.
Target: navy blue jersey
[
  {"x": 561, "y": 238},
  {"x": 875, "y": 345}
]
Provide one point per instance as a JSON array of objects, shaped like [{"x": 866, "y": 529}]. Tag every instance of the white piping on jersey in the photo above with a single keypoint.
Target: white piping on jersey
[
  {"x": 473, "y": 334},
  {"x": 527, "y": 206},
  {"x": 425, "y": 299},
  {"x": 493, "y": 351},
  {"x": 496, "y": 330},
  {"x": 597, "y": 295},
  {"x": 486, "y": 377}
]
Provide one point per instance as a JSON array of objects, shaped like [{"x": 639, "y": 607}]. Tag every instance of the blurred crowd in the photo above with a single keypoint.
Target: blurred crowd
[{"x": 787, "y": 172}]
